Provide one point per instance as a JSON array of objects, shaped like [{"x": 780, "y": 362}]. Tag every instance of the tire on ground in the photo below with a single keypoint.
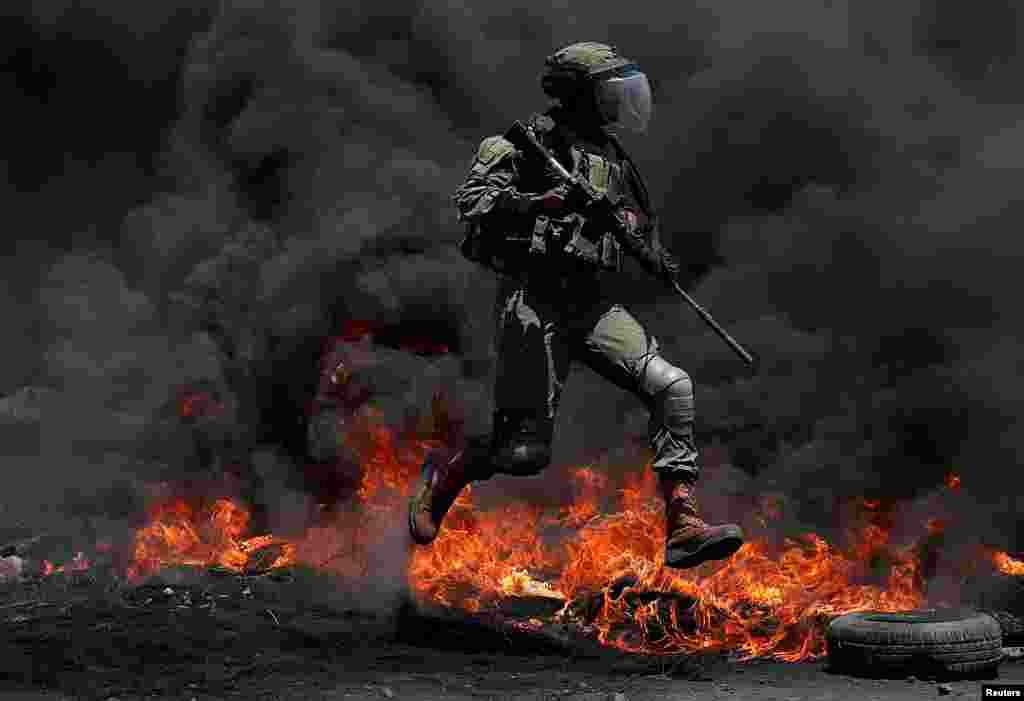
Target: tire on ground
[{"x": 936, "y": 642}]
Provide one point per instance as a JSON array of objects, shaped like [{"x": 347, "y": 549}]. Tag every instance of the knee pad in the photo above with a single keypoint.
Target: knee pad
[{"x": 669, "y": 392}]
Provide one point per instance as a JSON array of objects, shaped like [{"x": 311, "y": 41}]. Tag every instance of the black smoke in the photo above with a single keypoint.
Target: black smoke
[{"x": 200, "y": 194}]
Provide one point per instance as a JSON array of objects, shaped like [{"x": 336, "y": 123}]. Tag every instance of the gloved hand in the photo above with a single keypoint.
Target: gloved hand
[
  {"x": 629, "y": 220},
  {"x": 656, "y": 260},
  {"x": 562, "y": 200},
  {"x": 551, "y": 203}
]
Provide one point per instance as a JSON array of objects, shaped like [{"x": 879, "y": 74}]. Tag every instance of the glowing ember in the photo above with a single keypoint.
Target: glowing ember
[
  {"x": 79, "y": 563},
  {"x": 952, "y": 481},
  {"x": 520, "y": 583},
  {"x": 197, "y": 404},
  {"x": 1008, "y": 565}
]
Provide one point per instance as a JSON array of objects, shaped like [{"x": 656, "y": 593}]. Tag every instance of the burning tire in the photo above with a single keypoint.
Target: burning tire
[{"x": 932, "y": 642}]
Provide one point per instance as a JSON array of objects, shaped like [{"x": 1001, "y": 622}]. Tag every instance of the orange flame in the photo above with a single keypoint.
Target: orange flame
[
  {"x": 79, "y": 563},
  {"x": 766, "y": 600},
  {"x": 179, "y": 535},
  {"x": 759, "y": 602},
  {"x": 1006, "y": 564}
]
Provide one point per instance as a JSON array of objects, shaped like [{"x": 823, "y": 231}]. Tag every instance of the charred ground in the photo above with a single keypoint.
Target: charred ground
[{"x": 197, "y": 634}]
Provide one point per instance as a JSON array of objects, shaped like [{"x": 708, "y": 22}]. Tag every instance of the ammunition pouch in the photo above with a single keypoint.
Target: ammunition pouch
[
  {"x": 570, "y": 239},
  {"x": 512, "y": 241}
]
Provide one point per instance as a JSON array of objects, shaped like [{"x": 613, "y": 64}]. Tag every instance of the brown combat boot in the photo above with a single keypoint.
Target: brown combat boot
[
  {"x": 444, "y": 476},
  {"x": 688, "y": 540}
]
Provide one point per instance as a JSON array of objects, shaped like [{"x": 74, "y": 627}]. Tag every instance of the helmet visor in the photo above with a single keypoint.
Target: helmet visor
[{"x": 625, "y": 101}]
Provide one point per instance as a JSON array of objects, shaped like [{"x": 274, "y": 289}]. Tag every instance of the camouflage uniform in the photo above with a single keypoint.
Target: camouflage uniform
[
  {"x": 552, "y": 310},
  {"x": 551, "y": 307}
]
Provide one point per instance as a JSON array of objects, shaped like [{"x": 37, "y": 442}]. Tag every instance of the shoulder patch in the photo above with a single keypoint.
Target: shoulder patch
[{"x": 493, "y": 148}]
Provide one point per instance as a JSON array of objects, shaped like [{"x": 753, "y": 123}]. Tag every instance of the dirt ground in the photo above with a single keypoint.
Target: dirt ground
[{"x": 284, "y": 640}]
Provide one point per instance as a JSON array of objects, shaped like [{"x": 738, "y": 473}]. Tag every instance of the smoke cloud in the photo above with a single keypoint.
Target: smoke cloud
[{"x": 201, "y": 193}]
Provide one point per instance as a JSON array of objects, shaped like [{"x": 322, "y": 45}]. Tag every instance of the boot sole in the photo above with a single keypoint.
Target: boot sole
[
  {"x": 719, "y": 548},
  {"x": 416, "y": 537},
  {"x": 425, "y": 477}
]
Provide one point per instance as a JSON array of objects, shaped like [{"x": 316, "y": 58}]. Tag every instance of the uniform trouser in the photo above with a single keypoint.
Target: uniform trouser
[{"x": 544, "y": 327}]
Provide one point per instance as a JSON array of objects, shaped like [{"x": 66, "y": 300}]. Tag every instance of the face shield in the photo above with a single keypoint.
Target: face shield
[{"x": 625, "y": 100}]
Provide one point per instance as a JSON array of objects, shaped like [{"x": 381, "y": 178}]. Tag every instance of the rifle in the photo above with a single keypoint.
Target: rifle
[{"x": 523, "y": 138}]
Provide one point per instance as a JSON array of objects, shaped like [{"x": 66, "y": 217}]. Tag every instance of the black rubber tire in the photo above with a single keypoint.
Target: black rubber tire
[
  {"x": 1012, "y": 627},
  {"x": 925, "y": 643}
]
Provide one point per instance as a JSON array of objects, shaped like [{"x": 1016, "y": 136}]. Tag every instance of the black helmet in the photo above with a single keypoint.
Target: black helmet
[
  {"x": 595, "y": 78},
  {"x": 569, "y": 71}
]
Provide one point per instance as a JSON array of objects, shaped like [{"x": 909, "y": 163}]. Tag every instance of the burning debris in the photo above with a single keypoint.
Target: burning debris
[
  {"x": 763, "y": 601},
  {"x": 592, "y": 562},
  {"x": 1006, "y": 564},
  {"x": 178, "y": 534}
]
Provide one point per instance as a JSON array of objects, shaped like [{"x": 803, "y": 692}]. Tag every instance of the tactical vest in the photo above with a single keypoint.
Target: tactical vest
[
  {"x": 568, "y": 242},
  {"x": 572, "y": 237}
]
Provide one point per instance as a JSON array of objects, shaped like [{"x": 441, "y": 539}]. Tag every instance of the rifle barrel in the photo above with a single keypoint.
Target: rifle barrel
[
  {"x": 520, "y": 135},
  {"x": 715, "y": 326}
]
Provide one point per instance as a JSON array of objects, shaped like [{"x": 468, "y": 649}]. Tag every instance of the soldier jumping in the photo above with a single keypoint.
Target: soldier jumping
[{"x": 552, "y": 244}]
